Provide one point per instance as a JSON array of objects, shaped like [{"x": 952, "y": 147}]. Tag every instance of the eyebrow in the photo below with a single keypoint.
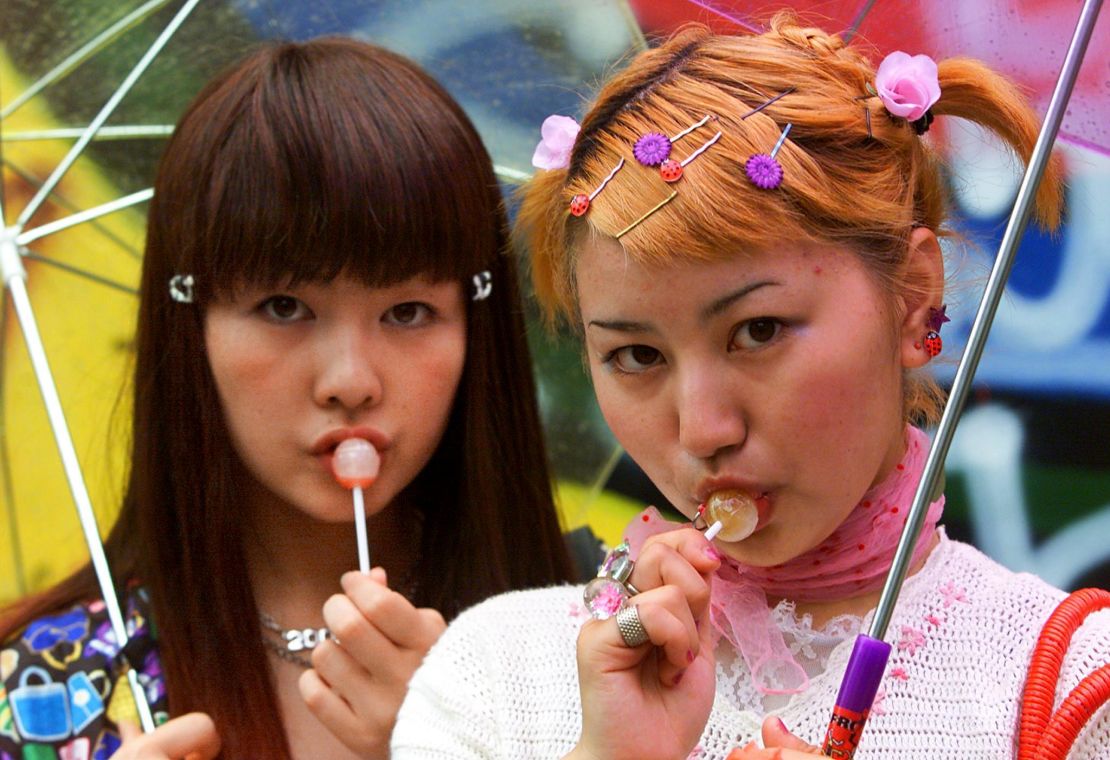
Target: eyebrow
[
  {"x": 725, "y": 301},
  {"x": 710, "y": 311}
]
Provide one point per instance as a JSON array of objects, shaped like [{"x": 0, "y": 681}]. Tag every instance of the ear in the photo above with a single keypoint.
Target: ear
[{"x": 922, "y": 286}]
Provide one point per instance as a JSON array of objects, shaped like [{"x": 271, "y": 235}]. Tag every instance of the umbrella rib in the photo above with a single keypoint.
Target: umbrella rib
[
  {"x": 510, "y": 175},
  {"x": 6, "y": 466},
  {"x": 15, "y": 278},
  {"x": 106, "y": 111},
  {"x": 84, "y": 216},
  {"x": 857, "y": 22},
  {"x": 82, "y": 54},
  {"x": 61, "y": 200},
  {"x": 121, "y": 132},
  {"x": 101, "y": 279}
]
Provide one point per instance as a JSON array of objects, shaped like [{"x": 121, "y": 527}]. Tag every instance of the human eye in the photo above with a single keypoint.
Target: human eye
[
  {"x": 755, "y": 333},
  {"x": 409, "y": 314},
  {"x": 284, "y": 308},
  {"x": 632, "y": 360}
]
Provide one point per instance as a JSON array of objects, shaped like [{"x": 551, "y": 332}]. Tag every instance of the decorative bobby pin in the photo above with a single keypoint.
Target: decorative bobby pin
[
  {"x": 653, "y": 148},
  {"x": 764, "y": 170},
  {"x": 580, "y": 203}
]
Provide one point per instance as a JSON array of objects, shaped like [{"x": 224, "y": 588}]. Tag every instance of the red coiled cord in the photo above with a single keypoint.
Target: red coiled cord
[{"x": 1043, "y": 735}]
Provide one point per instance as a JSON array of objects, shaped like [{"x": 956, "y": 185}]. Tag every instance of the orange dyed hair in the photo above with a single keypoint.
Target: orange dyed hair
[{"x": 842, "y": 185}]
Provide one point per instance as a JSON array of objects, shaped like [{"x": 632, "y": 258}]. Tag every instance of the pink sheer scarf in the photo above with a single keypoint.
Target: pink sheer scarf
[{"x": 853, "y": 560}]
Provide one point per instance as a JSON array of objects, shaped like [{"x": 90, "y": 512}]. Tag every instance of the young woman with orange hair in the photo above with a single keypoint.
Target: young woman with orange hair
[{"x": 745, "y": 230}]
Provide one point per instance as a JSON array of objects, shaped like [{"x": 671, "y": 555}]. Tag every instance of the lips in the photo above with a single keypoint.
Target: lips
[
  {"x": 742, "y": 508},
  {"x": 326, "y": 443}
]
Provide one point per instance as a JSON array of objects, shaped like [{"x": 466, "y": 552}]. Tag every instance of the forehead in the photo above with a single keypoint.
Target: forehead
[{"x": 605, "y": 271}]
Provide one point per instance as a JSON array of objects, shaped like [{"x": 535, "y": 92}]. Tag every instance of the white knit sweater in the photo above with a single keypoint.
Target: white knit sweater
[{"x": 502, "y": 682}]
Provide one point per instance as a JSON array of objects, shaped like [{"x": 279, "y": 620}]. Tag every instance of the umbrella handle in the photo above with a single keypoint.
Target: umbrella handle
[
  {"x": 857, "y": 693},
  {"x": 1043, "y": 735}
]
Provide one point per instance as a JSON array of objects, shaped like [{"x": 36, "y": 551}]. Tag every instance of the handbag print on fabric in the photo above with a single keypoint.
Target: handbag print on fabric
[{"x": 40, "y": 710}]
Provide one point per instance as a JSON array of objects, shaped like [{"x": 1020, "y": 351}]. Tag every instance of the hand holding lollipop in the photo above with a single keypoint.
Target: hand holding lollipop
[{"x": 355, "y": 465}]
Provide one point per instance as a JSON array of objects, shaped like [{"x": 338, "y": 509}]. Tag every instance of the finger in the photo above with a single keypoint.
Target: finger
[
  {"x": 191, "y": 735},
  {"x": 662, "y": 563},
  {"x": 361, "y": 640},
  {"x": 777, "y": 735},
  {"x": 336, "y": 713},
  {"x": 128, "y": 729},
  {"x": 378, "y": 575},
  {"x": 390, "y": 612},
  {"x": 666, "y": 618},
  {"x": 740, "y": 753}
]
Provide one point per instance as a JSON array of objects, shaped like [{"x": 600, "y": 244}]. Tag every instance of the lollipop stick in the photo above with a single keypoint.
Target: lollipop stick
[
  {"x": 714, "y": 529},
  {"x": 360, "y": 531}
]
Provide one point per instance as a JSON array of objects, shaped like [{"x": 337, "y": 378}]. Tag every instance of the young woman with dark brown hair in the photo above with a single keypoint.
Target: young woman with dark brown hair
[{"x": 326, "y": 258}]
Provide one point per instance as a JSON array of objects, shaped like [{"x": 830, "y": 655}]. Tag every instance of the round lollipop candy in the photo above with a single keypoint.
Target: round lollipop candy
[
  {"x": 737, "y": 512},
  {"x": 355, "y": 465}
]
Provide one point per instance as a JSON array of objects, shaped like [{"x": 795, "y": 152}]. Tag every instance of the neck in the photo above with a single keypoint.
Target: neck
[
  {"x": 295, "y": 562},
  {"x": 822, "y": 612}
]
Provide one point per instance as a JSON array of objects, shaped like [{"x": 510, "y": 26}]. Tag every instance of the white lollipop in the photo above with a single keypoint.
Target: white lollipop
[{"x": 355, "y": 465}]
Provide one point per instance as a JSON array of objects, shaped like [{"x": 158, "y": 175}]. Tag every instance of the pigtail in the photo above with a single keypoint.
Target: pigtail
[{"x": 970, "y": 90}]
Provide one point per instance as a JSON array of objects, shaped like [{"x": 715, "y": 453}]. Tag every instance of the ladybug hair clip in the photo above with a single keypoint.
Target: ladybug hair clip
[{"x": 580, "y": 203}]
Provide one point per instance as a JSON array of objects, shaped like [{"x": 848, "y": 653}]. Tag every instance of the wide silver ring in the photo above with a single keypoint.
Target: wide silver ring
[{"x": 631, "y": 629}]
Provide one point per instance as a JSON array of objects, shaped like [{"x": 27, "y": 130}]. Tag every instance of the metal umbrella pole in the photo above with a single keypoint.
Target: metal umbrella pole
[
  {"x": 12, "y": 240},
  {"x": 869, "y": 657}
]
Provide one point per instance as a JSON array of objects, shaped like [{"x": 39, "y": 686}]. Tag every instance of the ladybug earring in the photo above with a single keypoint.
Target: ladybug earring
[{"x": 933, "y": 343}]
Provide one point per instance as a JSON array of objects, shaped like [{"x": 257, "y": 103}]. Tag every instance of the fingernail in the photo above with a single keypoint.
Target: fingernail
[
  {"x": 712, "y": 553},
  {"x": 678, "y": 676},
  {"x": 689, "y": 655}
]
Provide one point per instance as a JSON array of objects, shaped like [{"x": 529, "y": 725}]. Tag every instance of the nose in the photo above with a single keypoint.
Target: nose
[
  {"x": 711, "y": 417},
  {"x": 348, "y": 371}
]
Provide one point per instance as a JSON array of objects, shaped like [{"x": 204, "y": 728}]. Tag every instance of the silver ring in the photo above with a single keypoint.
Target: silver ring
[{"x": 631, "y": 629}]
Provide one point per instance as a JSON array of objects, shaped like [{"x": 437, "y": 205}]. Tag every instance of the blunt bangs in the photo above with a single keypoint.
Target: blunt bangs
[{"x": 381, "y": 189}]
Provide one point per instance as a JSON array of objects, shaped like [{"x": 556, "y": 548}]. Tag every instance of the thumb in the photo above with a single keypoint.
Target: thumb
[
  {"x": 377, "y": 574},
  {"x": 776, "y": 735}
]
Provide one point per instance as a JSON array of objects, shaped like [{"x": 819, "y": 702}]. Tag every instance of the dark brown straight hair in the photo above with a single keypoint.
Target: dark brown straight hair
[{"x": 304, "y": 161}]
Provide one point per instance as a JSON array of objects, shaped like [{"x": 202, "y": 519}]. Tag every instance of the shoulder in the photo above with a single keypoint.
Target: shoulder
[
  {"x": 965, "y": 585},
  {"x": 533, "y": 624},
  {"x": 63, "y": 684},
  {"x": 502, "y": 681}
]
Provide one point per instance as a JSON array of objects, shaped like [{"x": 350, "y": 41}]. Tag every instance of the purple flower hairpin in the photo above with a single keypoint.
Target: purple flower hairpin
[
  {"x": 763, "y": 169},
  {"x": 653, "y": 148}
]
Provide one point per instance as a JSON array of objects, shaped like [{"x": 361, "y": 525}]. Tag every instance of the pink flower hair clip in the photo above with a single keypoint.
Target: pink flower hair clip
[
  {"x": 558, "y": 135},
  {"x": 908, "y": 86}
]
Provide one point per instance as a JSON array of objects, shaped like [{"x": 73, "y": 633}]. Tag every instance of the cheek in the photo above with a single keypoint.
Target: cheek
[
  {"x": 636, "y": 424},
  {"x": 431, "y": 378},
  {"x": 248, "y": 380}
]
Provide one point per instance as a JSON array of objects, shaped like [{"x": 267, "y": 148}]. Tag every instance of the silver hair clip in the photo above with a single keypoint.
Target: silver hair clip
[
  {"x": 483, "y": 285},
  {"x": 181, "y": 288}
]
